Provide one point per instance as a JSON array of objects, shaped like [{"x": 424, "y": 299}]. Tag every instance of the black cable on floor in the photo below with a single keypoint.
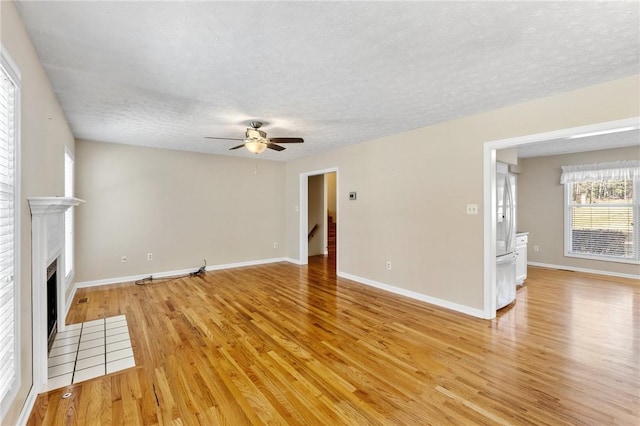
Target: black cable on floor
[{"x": 200, "y": 271}]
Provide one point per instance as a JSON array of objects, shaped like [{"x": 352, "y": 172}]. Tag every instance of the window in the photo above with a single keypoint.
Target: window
[
  {"x": 602, "y": 211},
  {"x": 9, "y": 236},
  {"x": 68, "y": 215}
]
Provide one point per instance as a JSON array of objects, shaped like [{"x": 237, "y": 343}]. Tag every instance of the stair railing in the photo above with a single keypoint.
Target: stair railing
[{"x": 312, "y": 232}]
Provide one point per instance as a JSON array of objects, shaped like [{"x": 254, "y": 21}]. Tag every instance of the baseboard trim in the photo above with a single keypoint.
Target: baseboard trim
[
  {"x": 292, "y": 260},
  {"x": 120, "y": 280},
  {"x": 166, "y": 274},
  {"x": 586, "y": 270},
  {"x": 479, "y": 313},
  {"x": 27, "y": 407},
  {"x": 243, "y": 264}
]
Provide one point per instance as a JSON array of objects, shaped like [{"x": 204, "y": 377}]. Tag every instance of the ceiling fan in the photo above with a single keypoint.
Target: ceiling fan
[{"x": 256, "y": 141}]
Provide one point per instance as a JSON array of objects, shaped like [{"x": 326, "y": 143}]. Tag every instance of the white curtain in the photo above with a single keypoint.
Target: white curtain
[{"x": 625, "y": 169}]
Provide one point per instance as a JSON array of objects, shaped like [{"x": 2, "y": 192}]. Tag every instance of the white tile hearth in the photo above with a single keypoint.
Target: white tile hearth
[{"x": 88, "y": 350}]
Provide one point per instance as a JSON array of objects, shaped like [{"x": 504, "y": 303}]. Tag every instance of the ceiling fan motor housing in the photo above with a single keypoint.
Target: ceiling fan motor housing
[{"x": 255, "y": 134}]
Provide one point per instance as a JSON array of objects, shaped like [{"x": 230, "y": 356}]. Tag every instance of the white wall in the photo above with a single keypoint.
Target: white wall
[
  {"x": 413, "y": 189},
  {"x": 182, "y": 207},
  {"x": 44, "y": 134},
  {"x": 541, "y": 207}
]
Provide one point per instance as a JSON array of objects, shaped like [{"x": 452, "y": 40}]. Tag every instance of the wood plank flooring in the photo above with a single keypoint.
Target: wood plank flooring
[{"x": 284, "y": 344}]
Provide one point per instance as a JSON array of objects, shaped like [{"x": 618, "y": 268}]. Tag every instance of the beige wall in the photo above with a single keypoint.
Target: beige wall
[
  {"x": 507, "y": 155},
  {"x": 413, "y": 188},
  {"x": 181, "y": 206},
  {"x": 541, "y": 207},
  {"x": 44, "y": 133},
  {"x": 316, "y": 214}
]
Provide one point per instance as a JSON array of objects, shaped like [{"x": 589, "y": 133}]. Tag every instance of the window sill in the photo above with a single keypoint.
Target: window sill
[{"x": 603, "y": 258}]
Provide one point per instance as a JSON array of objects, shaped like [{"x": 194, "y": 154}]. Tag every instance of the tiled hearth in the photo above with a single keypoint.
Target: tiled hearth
[{"x": 88, "y": 350}]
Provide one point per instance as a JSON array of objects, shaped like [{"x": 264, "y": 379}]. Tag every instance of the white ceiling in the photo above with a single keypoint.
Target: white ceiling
[{"x": 167, "y": 74}]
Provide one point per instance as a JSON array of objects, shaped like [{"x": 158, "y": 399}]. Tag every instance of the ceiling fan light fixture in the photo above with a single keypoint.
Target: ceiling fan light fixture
[
  {"x": 256, "y": 140},
  {"x": 255, "y": 147}
]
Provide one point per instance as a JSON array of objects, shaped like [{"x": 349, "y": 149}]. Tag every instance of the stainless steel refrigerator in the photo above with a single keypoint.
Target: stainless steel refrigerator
[{"x": 505, "y": 237}]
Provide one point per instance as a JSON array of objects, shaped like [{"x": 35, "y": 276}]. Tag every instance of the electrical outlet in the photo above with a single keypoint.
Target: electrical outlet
[
  {"x": 275, "y": 245},
  {"x": 388, "y": 265},
  {"x": 536, "y": 248},
  {"x": 123, "y": 259},
  {"x": 149, "y": 256},
  {"x": 472, "y": 209}
]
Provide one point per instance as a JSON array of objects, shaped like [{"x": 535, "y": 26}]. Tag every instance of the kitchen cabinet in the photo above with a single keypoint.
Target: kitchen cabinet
[{"x": 522, "y": 239}]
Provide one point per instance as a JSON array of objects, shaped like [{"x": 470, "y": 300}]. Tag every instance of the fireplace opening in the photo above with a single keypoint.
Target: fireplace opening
[{"x": 52, "y": 302}]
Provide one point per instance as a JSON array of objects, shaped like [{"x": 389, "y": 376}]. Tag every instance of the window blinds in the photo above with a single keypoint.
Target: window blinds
[
  {"x": 602, "y": 209},
  {"x": 602, "y": 230},
  {"x": 7, "y": 236}
]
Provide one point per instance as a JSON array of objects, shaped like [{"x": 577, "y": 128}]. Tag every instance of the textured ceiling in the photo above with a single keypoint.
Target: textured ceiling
[{"x": 168, "y": 74}]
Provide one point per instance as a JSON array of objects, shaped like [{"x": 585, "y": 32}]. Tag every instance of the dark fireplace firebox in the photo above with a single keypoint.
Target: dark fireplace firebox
[{"x": 52, "y": 301}]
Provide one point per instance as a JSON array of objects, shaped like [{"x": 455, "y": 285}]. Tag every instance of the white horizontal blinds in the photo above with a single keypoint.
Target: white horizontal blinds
[
  {"x": 7, "y": 233},
  {"x": 68, "y": 215},
  {"x": 601, "y": 211},
  {"x": 602, "y": 230}
]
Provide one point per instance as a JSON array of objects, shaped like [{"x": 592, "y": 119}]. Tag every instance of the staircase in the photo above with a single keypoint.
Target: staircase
[{"x": 331, "y": 241}]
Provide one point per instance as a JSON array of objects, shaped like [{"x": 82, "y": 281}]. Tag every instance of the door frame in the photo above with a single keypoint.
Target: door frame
[
  {"x": 303, "y": 230},
  {"x": 489, "y": 199}
]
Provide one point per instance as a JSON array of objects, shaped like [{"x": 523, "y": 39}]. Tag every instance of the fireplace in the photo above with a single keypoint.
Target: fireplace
[
  {"x": 52, "y": 302},
  {"x": 49, "y": 292}
]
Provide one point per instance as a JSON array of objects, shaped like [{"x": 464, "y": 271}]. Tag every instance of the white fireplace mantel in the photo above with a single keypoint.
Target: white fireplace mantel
[
  {"x": 47, "y": 244},
  {"x": 51, "y": 205}
]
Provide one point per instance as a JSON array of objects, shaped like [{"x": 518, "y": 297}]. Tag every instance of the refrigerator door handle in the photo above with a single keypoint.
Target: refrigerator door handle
[
  {"x": 506, "y": 258},
  {"x": 508, "y": 208}
]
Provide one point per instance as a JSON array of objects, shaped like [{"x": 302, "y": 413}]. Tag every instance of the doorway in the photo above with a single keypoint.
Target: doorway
[
  {"x": 490, "y": 211},
  {"x": 319, "y": 224}
]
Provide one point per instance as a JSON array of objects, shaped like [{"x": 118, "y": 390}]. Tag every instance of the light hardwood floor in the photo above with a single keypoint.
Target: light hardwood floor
[{"x": 283, "y": 344}]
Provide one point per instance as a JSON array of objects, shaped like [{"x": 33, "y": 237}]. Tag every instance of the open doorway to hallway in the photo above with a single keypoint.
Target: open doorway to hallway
[
  {"x": 320, "y": 205},
  {"x": 322, "y": 219}
]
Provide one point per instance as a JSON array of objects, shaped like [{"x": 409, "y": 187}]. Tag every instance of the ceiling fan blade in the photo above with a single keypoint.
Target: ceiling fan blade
[
  {"x": 236, "y": 147},
  {"x": 275, "y": 147},
  {"x": 286, "y": 140},
  {"x": 226, "y": 139}
]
